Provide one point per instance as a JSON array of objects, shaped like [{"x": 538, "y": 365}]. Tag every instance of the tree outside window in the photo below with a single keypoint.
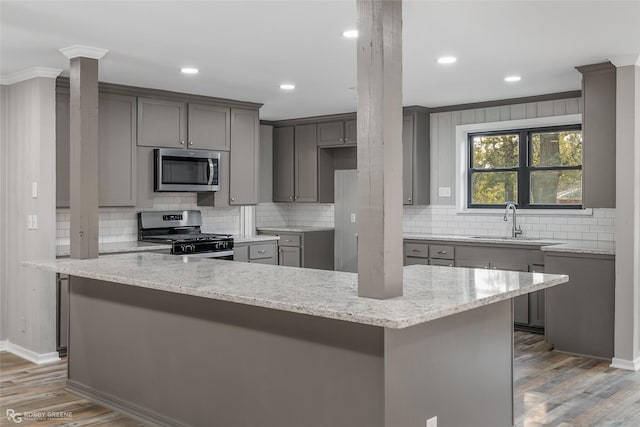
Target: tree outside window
[{"x": 533, "y": 168}]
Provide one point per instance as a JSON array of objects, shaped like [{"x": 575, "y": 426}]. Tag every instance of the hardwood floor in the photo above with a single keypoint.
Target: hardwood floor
[
  {"x": 550, "y": 389},
  {"x": 554, "y": 389}
]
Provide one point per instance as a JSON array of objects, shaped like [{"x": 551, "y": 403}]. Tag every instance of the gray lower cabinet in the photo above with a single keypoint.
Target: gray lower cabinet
[
  {"x": 309, "y": 249},
  {"x": 178, "y": 124},
  {"x": 528, "y": 309},
  {"x": 244, "y": 157},
  {"x": 580, "y": 313},
  {"x": 499, "y": 259},
  {"x": 295, "y": 164},
  {"x": 117, "y": 150},
  {"x": 256, "y": 252}
]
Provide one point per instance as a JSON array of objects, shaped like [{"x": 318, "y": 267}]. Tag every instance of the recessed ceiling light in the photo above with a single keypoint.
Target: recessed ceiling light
[
  {"x": 350, "y": 34},
  {"x": 512, "y": 79},
  {"x": 287, "y": 86},
  {"x": 189, "y": 70},
  {"x": 447, "y": 59}
]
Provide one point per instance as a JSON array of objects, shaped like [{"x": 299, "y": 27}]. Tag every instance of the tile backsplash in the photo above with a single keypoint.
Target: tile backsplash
[
  {"x": 444, "y": 219},
  {"x": 121, "y": 224}
]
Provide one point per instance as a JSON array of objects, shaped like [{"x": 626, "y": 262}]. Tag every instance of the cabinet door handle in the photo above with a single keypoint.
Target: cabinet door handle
[
  {"x": 346, "y": 139},
  {"x": 190, "y": 142},
  {"x": 409, "y": 199},
  {"x": 290, "y": 197},
  {"x": 182, "y": 142},
  {"x": 233, "y": 199},
  {"x": 341, "y": 139}
]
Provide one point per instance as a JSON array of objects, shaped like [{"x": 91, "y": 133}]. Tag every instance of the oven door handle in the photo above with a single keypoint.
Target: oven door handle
[
  {"x": 210, "y": 181},
  {"x": 218, "y": 254}
]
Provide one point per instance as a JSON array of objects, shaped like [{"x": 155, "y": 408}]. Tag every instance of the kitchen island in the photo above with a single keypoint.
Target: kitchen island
[{"x": 183, "y": 341}]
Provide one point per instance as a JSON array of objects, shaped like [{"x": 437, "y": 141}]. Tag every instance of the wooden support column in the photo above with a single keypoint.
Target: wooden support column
[
  {"x": 83, "y": 173},
  {"x": 379, "y": 148}
]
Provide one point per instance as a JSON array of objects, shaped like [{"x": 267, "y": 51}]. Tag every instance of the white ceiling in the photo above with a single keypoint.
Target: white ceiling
[{"x": 245, "y": 49}]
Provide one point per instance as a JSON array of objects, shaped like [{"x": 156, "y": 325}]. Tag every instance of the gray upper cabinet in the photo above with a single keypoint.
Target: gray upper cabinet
[
  {"x": 244, "y": 158},
  {"x": 295, "y": 164},
  {"x": 162, "y": 123},
  {"x": 178, "y": 124},
  {"x": 283, "y": 160},
  {"x": 63, "y": 148},
  {"x": 599, "y": 135},
  {"x": 209, "y": 127},
  {"x": 117, "y": 150},
  {"x": 415, "y": 157},
  {"x": 407, "y": 160},
  {"x": 306, "y": 164},
  {"x": 337, "y": 133}
]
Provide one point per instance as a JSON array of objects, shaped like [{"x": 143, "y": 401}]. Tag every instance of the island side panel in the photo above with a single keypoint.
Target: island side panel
[
  {"x": 178, "y": 359},
  {"x": 458, "y": 368}
]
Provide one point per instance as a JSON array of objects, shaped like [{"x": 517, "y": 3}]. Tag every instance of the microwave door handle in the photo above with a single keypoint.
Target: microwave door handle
[{"x": 210, "y": 182}]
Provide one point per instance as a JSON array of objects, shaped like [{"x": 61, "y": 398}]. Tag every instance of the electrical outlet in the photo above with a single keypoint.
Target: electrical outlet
[
  {"x": 432, "y": 422},
  {"x": 29, "y": 222},
  {"x": 353, "y": 217},
  {"x": 34, "y": 222},
  {"x": 34, "y": 190},
  {"x": 444, "y": 191}
]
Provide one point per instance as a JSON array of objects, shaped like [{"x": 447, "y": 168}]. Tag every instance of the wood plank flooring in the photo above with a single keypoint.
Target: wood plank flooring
[{"x": 551, "y": 389}]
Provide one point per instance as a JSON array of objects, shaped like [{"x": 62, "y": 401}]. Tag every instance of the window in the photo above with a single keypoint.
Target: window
[{"x": 533, "y": 168}]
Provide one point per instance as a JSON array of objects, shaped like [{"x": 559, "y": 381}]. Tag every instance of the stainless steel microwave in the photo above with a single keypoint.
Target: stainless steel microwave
[{"x": 186, "y": 170}]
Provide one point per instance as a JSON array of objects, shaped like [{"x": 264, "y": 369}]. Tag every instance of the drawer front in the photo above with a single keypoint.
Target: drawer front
[
  {"x": 289, "y": 239},
  {"x": 261, "y": 251},
  {"x": 416, "y": 250},
  {"x": 271, "y": 261},
  {"x": 441, "y": 251},
  {"x": 414, "y": 260},
  {"x": 442, "y": 262}
]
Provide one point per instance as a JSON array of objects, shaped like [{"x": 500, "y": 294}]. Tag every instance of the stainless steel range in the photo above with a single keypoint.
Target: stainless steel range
[{"x": 181, "y": 229}]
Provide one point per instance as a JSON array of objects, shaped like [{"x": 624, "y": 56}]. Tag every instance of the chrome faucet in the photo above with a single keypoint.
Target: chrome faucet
[{"x": 515, "y": 229}]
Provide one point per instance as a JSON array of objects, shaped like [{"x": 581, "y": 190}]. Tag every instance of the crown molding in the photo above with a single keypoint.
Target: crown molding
[
  {"x": 624, "y": 60},
  {"x": 84, "y": 51},
  {"x": 30, "y": 73}
]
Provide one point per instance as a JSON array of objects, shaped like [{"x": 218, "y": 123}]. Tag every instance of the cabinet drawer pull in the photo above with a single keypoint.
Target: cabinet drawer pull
[
  {"x": 442, "y": 252},
  {"x": 260, "y": 251},
  {"x": 416, "y": 250},
  {"x": 287, "y": 240}
]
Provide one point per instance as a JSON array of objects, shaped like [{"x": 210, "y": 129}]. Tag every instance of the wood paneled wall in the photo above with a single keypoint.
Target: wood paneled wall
[{"x": 443, "y": 133}]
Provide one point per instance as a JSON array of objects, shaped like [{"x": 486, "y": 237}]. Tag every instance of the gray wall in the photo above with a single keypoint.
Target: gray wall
[
  {"x": 627, "y": 298},
  {"x": 29, "y": 142},
  {"x": 4, "y": 138},
  {"x": 443, "y": 134}
]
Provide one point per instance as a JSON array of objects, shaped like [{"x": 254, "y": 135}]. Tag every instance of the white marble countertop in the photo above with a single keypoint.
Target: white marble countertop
[
  {"x": 117, "y": 247},
  {"x": 293, "y": 229},
  {"x": 430, "y": 292},
  {"x": 254, "y": 238},
  {"x": 573, "y": 246},
  {"x": 595, "y": 247}
]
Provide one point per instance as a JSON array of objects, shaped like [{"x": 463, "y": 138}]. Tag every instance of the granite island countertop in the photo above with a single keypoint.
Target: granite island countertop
[
  {"x": 430, "y": 292},
  {"x": 117, "y": 247}
]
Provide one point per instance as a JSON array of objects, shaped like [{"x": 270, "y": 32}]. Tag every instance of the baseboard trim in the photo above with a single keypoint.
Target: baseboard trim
[
  {"x": 629, "y": 365},
  {"x": 116, "y": 404},
  {"x": 31, "y": 356}
]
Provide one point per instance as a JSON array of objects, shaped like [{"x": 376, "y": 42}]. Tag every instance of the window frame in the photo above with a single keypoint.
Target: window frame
[{"x": 524, "y": 168}]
